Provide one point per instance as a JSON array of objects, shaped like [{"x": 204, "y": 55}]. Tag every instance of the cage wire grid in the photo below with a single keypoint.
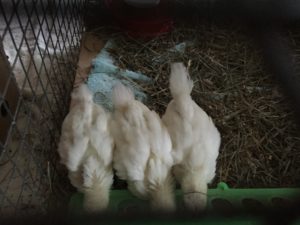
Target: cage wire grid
[{"x": 39, "y": 46}]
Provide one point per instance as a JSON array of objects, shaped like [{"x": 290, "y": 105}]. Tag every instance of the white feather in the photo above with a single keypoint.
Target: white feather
[
  {"x": 85, "y": 148},
  {"x": 143, "y": 150},
  {"x": 195, "y": 140}
]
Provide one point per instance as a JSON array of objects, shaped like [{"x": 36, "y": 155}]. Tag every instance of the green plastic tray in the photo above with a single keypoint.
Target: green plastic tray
[{"x": 220, "y": 199}]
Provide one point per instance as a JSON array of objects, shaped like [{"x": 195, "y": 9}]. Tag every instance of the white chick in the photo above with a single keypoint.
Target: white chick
[
  {"x": 86, "y": 147},
  {"x": 142, "y": 155},
  {"x": 195, "y": 140}
]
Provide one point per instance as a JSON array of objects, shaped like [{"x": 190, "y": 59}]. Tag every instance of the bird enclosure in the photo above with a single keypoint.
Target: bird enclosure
[
  {"x": 39, "y": 47},
  {"x": 41, "y": 43}
]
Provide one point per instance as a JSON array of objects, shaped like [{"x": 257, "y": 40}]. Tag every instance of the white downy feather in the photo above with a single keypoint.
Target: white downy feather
[
  {"x": 195, "y": 140},
  {"x": 86, "y": 147},
  {"x": 143, "y": 146}
]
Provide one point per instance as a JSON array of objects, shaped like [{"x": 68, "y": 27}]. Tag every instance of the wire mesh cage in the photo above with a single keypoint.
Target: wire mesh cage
[{"x": 39, "y": 50}]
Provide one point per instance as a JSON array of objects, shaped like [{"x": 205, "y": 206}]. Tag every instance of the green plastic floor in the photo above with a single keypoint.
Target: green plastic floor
[{"x": 221, "y": 198}]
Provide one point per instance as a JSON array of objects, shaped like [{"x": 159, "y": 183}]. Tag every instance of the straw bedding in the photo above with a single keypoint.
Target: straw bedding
[{"x": 260, "y": 143}]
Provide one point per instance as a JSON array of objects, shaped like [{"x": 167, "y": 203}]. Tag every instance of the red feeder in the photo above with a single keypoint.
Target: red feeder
[{"x": 142, "y": 22}]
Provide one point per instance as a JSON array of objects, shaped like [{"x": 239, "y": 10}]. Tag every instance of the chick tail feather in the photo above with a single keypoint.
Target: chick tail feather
[{"x": 180, "y": 82}]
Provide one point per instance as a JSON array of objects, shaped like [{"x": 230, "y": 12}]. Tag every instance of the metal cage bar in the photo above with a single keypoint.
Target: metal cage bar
[{"x": 40, "y": 48}]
